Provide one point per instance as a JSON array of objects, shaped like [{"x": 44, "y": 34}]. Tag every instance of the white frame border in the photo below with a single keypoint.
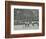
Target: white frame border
[{"x": 25, "y": 31}]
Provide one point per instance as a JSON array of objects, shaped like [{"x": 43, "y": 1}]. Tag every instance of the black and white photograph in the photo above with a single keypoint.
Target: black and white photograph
[{"x": 26, "y": 19}]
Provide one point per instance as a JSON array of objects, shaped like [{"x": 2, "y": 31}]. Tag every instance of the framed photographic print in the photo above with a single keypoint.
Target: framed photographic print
[{"x": 24, "y": 19}]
